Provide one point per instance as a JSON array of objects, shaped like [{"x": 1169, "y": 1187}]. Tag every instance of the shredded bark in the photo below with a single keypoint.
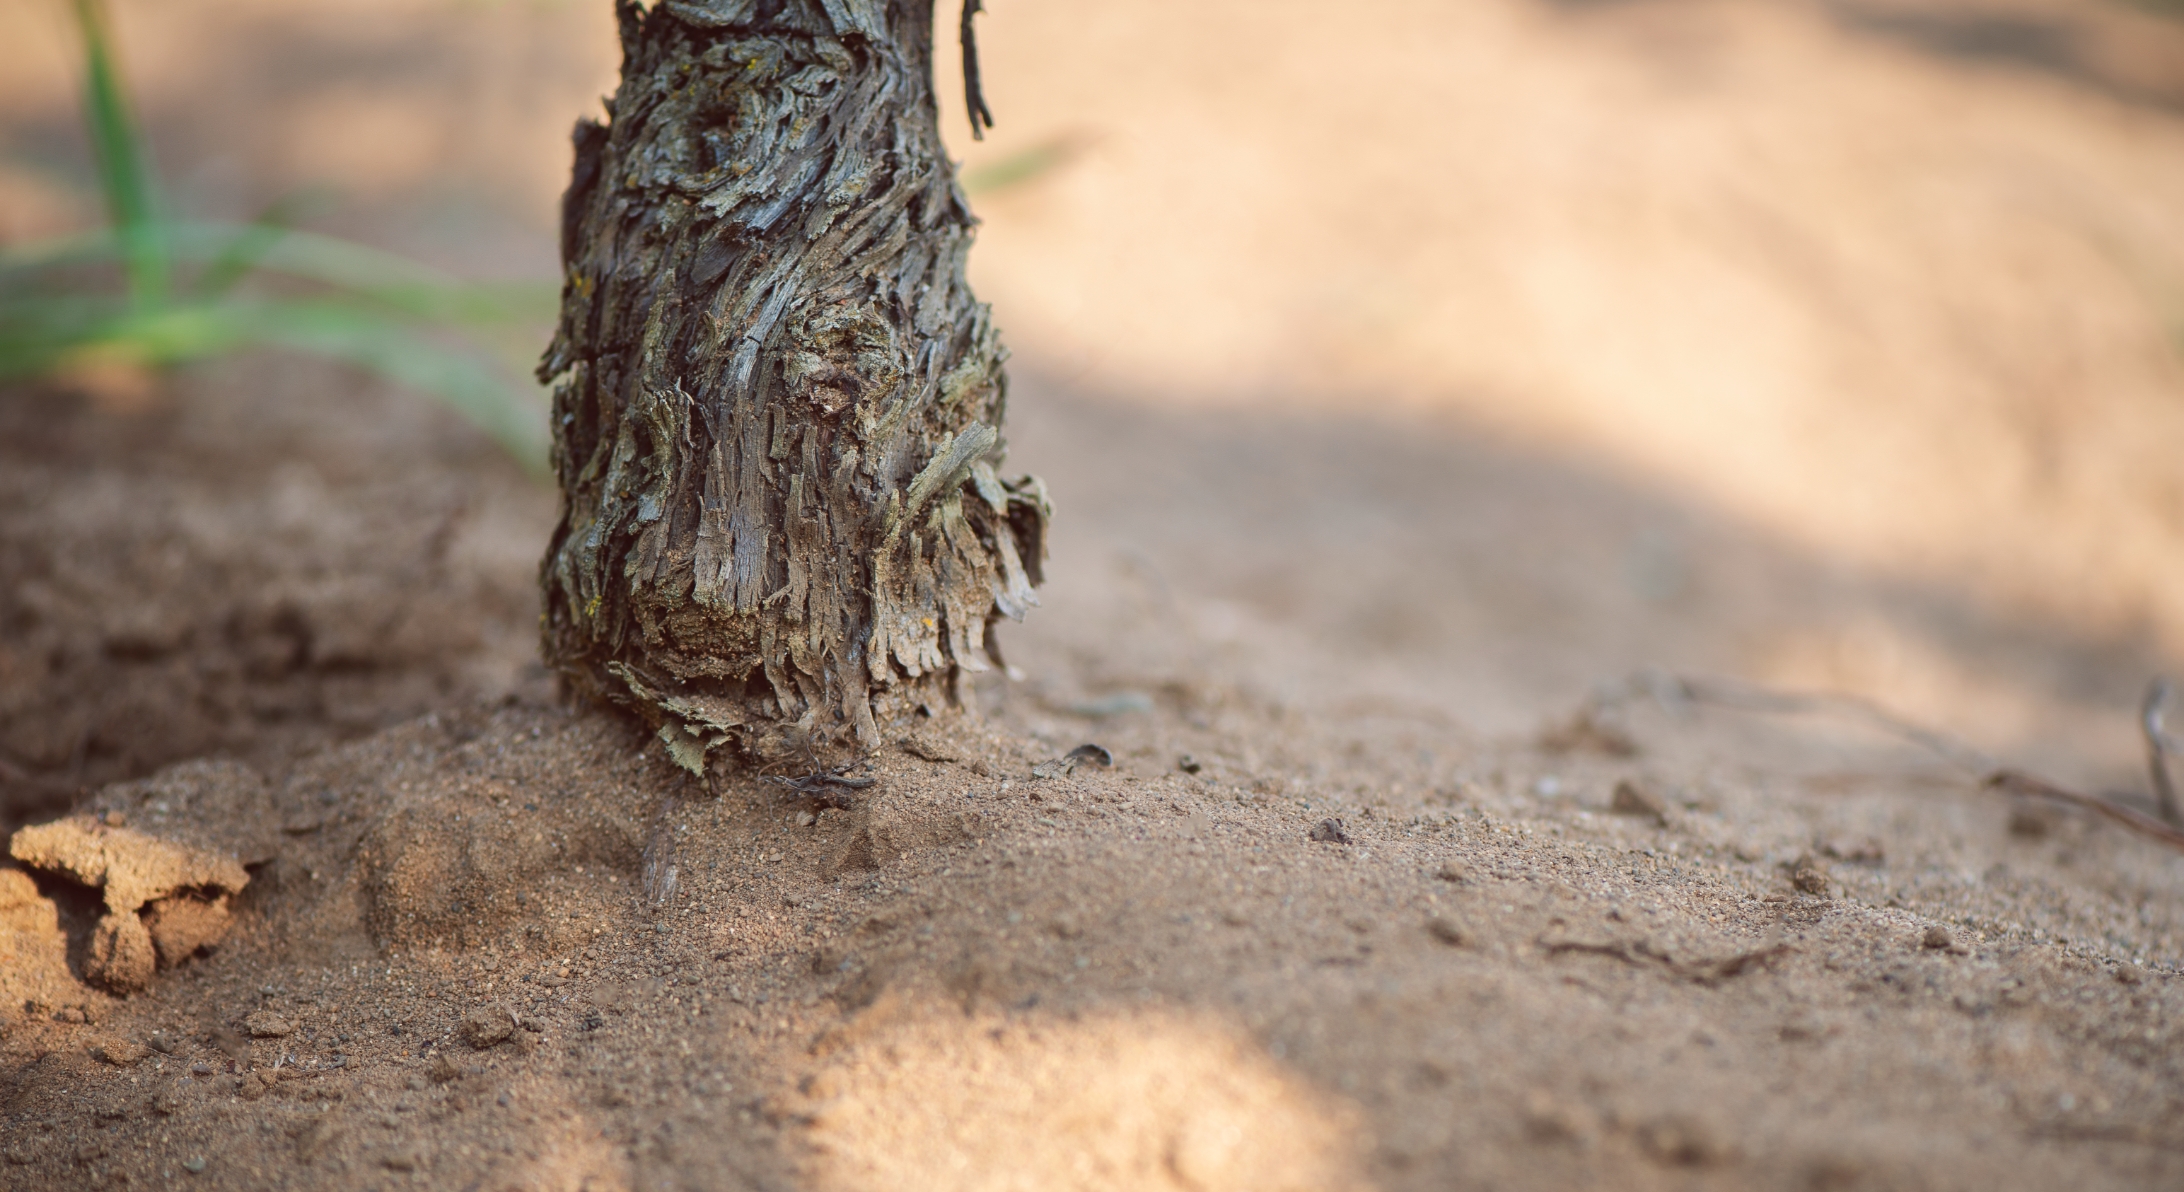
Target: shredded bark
[{"x": 777, "y": 403}]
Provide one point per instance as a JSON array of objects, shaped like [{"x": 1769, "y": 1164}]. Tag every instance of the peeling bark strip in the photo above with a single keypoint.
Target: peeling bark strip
[{"x": 776, "y": 403}]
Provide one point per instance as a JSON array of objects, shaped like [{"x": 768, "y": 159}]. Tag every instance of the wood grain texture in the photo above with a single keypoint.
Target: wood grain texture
[{"x": 777, "y": 404}]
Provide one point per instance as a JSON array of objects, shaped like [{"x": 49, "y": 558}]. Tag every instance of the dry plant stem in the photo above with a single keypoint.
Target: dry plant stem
[
  {"x": 777, "y": 404},
  {"x": 1992, "y": 774},
  {"x": 2152, "y": 715}
]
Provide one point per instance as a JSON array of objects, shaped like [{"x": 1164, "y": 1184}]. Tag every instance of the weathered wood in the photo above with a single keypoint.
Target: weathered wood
[{"x": 777, "y": 404}]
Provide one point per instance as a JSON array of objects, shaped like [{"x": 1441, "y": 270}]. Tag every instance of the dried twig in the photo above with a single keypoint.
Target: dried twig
[
  {"x": 2159, "y": 746},
  {"x": 974, "y": 92},
  {"x": 1991, "y": 773},
  {"x": 662, "y": 866}
]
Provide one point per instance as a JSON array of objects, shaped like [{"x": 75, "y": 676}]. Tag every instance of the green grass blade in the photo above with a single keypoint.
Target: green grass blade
[
  {"x": 40, "y": 335},
  {"x": 396, "y": 282},
  {"x": 124, "y": 173},
  {"x": 513, "y": 416}
]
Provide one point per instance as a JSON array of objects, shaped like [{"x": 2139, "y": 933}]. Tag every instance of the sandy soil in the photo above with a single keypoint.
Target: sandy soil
[{"x": 1355, "y": 906}]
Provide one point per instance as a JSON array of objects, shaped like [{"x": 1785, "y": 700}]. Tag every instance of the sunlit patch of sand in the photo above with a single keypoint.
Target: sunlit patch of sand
[{"x": 924, "y": 1096}]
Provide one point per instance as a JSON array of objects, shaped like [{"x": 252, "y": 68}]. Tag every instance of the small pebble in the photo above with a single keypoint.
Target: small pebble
[
  {"x": 1329, "y": 831},
  {"x": 1453, "y": 871},
  {"x": 1808, "y": 876},
  {"x": 1938, "y": 937},
  {"x": 119, "y": 1052},
  {"x": 195, "y": 1164},
  {"x": 483, "y": 1026},
  {"x": 1448, "y": 931},
  {"x": 265, "y": 1024},
  {"x": 1633, "y": 799}
]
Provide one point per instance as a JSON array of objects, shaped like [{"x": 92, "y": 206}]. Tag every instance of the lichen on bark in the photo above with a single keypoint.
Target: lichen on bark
[{"x": 777, "y": 404}]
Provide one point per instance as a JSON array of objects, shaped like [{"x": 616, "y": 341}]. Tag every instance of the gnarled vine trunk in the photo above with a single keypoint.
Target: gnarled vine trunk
[{"x": 777, "y": 405}]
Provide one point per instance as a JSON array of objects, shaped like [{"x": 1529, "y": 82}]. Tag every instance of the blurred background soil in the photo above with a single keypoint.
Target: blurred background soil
[{"x": 1403, "y": 372}]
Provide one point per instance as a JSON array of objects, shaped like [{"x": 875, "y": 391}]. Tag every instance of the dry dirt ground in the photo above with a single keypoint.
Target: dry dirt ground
[{"x": 1358, "y": 903}]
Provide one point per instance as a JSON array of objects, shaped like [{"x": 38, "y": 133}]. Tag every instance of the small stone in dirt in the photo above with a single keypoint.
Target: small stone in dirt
[
  {"x": 1863, "y": 850},
  {"x": 1329, "y": 831},
  {"x": 119, "y": 1052},
  {"x": 1067, "y": 764},
  {"x": 806, "y": 819},
  {"x": 1453, "y": 871},
  {"x": 70, "y": 1015},
  {"x": 1066, "y": 926},
  {"x": 162, "y": 1042},
  {"x": 1939, "y": 938},
  {"x": 1808, "y": 876},
  {"x": 1548, "y": 1119},
  {"x": 483, "y": 1026},
  {"x": 1633, "y": 799},
  {"x": 2031, "y": 821},
  {"x": 1679, "y": 1142},
  {"x": 2130, "y": 974},
  {"x": 1448, "y": 931},
  {"x": 1189, "y": 764},
  {"x": 171, "y": 1097},
  {"x": 195, "y": 1164},
  {"x": 444, "y": 1068},
  {"x": 265, "y": 1024}
]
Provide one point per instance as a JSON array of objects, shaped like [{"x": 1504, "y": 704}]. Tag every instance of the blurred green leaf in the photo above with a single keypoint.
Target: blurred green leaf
[
  {"x": 181, "y": 293},
  {"x": 124, "y": 174}
]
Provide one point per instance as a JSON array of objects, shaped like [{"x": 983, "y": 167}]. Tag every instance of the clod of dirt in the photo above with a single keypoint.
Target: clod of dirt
[
  {"x": 1448, "y": 931},
  {"x": 188, "y": 887},
  {"x": 1329, "y": 831},
  {"x": 444, "y": 1068},
  {"x": 1939, "y": 938},
  {"x": 2032, "y": 821},
  {"x": 119, "y": 1052},
  {"x": 1633, "y": 799},
  {"x": 1453, "y": 871},
  {"x": 1680, "y": 1142},
  {"x": 1549, "y": 1119},
  {"x": 1809, "y": 876},
  {"x": 265, "y": 1024},
  {"x": 1065, "y": 765},
  {"x": 483, "y": 1026},
  {"x": 1588, "y": 732}
]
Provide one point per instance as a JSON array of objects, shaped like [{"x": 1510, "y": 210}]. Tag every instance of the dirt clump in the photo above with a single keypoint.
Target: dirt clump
[{"x": 164, "y": 900}]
